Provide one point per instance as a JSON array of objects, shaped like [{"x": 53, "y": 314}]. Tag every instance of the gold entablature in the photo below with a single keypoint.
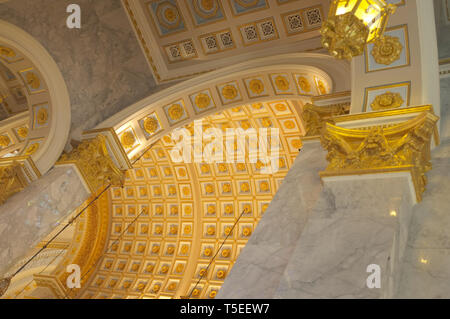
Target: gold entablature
[
  {"x": 315, "y": 117},
  {"x": 94, "y": 163},
  {"x": 378, "y": 149},
  {"x": 12, "y": 180}
]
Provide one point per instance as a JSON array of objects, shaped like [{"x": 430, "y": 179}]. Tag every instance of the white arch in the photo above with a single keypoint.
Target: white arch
[
  {"x": 336, "y": 73},
  {"x": 49, "y": 152}
]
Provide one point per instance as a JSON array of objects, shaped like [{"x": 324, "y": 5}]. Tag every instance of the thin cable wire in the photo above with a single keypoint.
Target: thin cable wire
[
  {"x": 59, "y": 232},
  {"x": 214, "y": 257},
  {"x": 72, "y": 220}
]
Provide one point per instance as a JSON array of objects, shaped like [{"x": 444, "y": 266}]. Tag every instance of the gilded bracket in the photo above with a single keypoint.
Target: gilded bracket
[{"x": 381, "y": 149}]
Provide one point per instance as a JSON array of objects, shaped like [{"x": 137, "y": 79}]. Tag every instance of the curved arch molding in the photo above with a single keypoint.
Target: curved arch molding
[
  {"x": 288, "y": 76},
  {"x": 51, "y": 149}
]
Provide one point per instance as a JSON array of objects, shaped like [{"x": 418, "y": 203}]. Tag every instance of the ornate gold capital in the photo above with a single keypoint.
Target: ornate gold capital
[
  {"x": 315, "y": 117},
  {"x": 379, "y": 149},
  {"x": 12, "y": 180},
  {"x": 94, "y": 163}
]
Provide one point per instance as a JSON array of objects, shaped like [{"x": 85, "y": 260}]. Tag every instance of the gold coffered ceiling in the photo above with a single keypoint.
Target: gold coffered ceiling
[
  {"x": 184, "y": 38},
  {"x": 188, "y": 211}
]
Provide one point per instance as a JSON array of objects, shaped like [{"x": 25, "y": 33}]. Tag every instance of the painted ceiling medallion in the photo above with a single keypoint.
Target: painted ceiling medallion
[
  {"x": 168, "y": 15},
  {"x": 282, "y": 83},
  {"x": 387, "y": 50},
  {"x": 175, "y": 112},
  {"x": 344, "y": 36},
  {"x": 386, "y": 101},
  {"x": 304, "y": 84},
  {"x": 22, "y": 132},
  {"x": 127, "y": 139},
  {"x": 229, "y": 92},
  {"x": 206, "y": 8},
  {"x": 256, "y": 86},
  {"x": 202, "y": 100},
  {"x": 150, "y": 125}
]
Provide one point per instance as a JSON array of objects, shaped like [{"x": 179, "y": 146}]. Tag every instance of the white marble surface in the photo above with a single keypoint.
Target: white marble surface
[
  {"x": 332, "y": 254},
  {"x": 430, "y": 235},
  {"x": 27, "y": 217},
  {"x": 261, "y": 263}
]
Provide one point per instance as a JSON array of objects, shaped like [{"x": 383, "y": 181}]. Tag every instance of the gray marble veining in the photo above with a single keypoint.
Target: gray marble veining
[
  {"x": 27, "y": 217},
  {"x": 268, "y": 251},
  {"x": 102, "y": 64}
]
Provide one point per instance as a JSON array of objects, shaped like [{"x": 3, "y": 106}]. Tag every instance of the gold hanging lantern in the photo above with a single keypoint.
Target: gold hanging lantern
[{"x": 351, "y": 24}]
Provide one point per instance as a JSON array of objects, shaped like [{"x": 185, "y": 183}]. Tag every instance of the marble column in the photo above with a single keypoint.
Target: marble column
[
  {"x": 425, "y": 272},
  {"x": 32, "y": 214},
  {"x": 352, "y": 226},
  {"x": 262, "y": 262}
]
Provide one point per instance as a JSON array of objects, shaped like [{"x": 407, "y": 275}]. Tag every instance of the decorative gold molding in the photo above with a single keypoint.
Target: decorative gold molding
[
  {"x": 12, "y": 180},
  {"x": 315, "y": 117},
  {"x": 331, "y": 96},
  {"x": 386, "y": 50},
  {"x": 94, "y": 163},
  {"x": 400, "y": 147}
]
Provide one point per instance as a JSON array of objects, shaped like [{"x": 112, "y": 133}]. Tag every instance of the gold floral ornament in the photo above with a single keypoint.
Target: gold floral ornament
[
  {"x": 304, "y": 84},
  {"x": 386, "y": 101},
  {"x": 22, "y": 132},
  {"x": 92, "y": 158},
  {"x": 42, "y": 116},
  {"x": 387, "y": 50},
  {"x": 175, "y": 112},
  {"x": 202, "y": 100},
  {"x": 32, "y": 149},
  {"x": 256, "y": 86},
  {"x": 128, "y": 139},
  {"x": 33, "y": 80},
  {"x": 150, "y": 125},
  {"x": 229, "y": 92},
  {"x": 322, "y": 88},
  {"x": 4, "y": 141},
  {"x": 282, "y": 83},
  {"x": 7, "y": 52}
]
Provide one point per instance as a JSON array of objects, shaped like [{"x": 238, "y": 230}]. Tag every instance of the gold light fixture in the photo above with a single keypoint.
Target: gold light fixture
[{"x": 351, "y": 24}]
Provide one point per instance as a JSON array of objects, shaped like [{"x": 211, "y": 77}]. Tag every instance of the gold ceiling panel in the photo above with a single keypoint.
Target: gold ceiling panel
[{"x": 188, "y": 211}]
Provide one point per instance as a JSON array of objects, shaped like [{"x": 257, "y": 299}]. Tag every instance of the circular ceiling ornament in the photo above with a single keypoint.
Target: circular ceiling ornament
[
  {"x": 206, "y": 8},
  {"x": 150, "y": 125},
  {"x": 175, "y": 112},
  {"x": 282, "y": 83},
  {"x": 168, "y": 15},
  {"x": 128, "y": 139},
  {"x": 229, "y": 92},
  {"x": 256, "y": 86},
  {"x": 387, "y": 50},
  {"x": 304, "y": 84},
  {"x": 202, "y": 100}
]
